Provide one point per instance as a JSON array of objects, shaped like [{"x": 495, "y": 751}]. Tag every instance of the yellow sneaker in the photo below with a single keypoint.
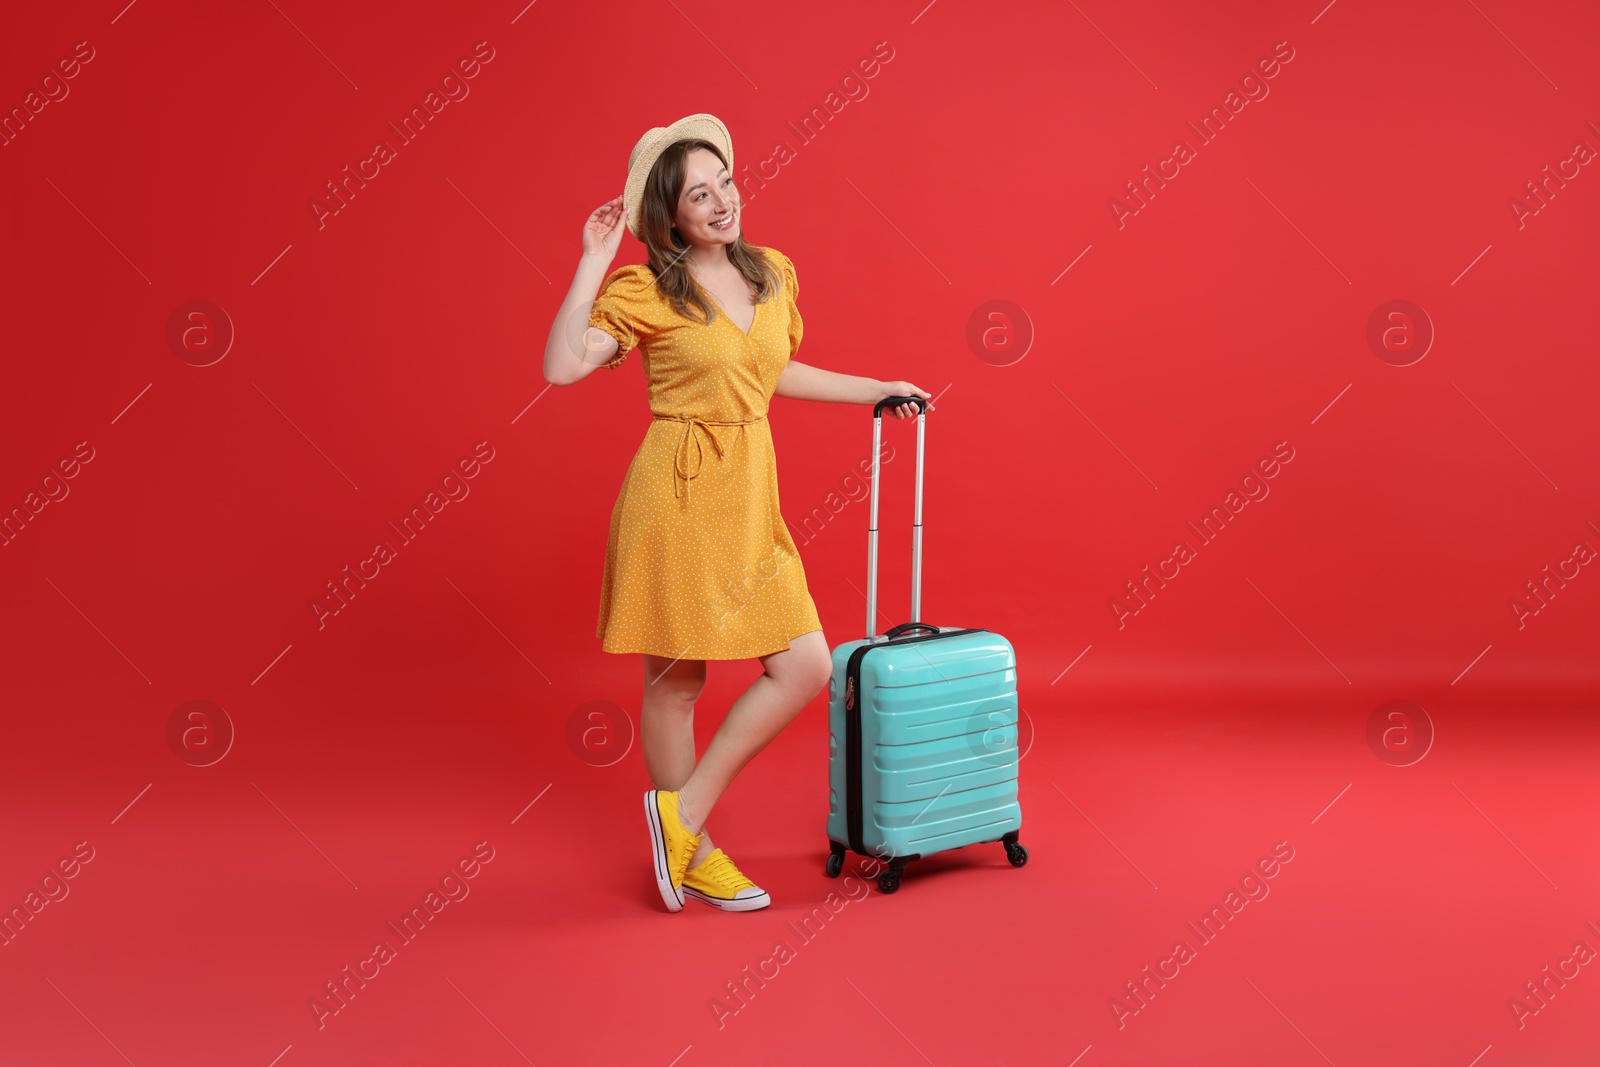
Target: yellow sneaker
[
  {"x": 671, "y": 842},
  {"x": 719, "y": 883}
]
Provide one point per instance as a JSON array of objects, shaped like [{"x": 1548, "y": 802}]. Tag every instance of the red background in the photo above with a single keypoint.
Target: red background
[{"x": 377, "y": 349}]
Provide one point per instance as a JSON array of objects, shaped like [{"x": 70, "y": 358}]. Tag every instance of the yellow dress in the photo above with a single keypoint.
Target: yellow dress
[{"x": 699, "y": 564}]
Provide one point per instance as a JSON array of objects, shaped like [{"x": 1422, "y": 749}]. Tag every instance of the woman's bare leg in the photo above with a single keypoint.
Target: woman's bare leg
[
  {"x": 792, "y": 678},
  {"x": 666, "y": 726}
]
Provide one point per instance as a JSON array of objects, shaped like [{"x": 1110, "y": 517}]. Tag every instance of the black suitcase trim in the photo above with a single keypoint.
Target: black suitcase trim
[{"x": 852, "y": 726}]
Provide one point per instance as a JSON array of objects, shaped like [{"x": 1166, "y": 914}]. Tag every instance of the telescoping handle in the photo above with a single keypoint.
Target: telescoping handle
[{"x": 916, "y": 521}]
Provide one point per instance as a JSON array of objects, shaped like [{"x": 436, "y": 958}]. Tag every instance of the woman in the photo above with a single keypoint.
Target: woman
[{"x": 699, "y": 564}]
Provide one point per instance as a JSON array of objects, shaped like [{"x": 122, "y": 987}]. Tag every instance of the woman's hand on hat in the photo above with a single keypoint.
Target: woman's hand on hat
[
  {"x": 602, "y": 234},
  {"x": 908, "y": 410}
]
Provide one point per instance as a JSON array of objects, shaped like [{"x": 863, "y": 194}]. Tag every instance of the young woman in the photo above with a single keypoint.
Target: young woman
[{"x": 699, "y": 564}]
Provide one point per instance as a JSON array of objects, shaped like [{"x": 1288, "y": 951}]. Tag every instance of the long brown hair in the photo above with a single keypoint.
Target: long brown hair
[{"x": 665, "y": 246}]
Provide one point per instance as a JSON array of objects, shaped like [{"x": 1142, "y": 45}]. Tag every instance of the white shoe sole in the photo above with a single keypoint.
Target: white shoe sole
[
  {"x": 673, "y": 898},
  {"x": 722, "y": 904}
]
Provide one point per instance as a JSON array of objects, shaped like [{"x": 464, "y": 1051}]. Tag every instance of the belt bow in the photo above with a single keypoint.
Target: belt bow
[{"x": 683, "y": 474}]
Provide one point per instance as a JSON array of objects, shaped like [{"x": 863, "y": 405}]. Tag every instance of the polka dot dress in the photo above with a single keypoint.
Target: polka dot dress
[{"x": 699, "y": 564}]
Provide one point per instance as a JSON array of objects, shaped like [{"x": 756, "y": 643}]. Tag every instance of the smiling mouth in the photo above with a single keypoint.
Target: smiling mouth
[{"x": 726, "y": 224}]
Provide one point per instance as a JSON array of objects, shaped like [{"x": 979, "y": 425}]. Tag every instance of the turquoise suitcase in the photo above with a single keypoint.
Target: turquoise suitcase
[{"x": 922, "y": 725}]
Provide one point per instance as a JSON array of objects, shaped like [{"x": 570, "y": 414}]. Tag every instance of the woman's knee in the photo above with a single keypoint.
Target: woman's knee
[
  {"x": 673, "y": 683},
  {"x": 805, "y": 666}
]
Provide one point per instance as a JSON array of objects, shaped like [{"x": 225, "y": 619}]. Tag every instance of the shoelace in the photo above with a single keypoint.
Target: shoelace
[
  {"x": 720, "y": 869},
  {"x": 680, "y": 860}
]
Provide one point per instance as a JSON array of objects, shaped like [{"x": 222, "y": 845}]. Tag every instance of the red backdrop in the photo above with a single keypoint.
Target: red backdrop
[{"x": 1260, "y": 337}]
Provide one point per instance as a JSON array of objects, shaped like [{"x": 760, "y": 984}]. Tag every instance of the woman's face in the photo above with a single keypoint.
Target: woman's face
[{"x": 709, "y": 197}]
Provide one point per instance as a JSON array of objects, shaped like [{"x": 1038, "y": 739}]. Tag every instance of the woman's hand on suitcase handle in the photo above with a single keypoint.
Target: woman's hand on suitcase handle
[{"x": 907, "y": 410}]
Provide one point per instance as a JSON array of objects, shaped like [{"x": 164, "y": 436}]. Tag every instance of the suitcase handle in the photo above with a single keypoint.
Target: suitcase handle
[
  {"x": 907, "y": 627},
  {"x": 896, "y": 401},
  {"x": 916, "y": 521}
]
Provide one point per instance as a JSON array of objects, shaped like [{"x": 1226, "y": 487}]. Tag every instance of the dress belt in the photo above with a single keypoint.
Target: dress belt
[{"x": 680, "y": 460}]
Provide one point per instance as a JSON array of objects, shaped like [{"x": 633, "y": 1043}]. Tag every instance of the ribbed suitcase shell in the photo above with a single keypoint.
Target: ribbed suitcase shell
[{"x": 937, "y": 743}]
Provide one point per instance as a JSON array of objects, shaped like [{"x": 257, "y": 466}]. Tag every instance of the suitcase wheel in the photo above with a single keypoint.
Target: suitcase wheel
[
  {"x": 835, "y": 861},
  {"x": 888, "y": 881},
  {"x": 1016, "y": 854}
]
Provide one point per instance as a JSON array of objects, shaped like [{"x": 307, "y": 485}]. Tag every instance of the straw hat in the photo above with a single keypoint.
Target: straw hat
[{"x": 658, "y": 140}]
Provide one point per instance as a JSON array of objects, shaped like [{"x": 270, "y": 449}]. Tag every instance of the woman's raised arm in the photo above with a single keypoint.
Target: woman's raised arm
[{"x": 574, "y": 349}]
